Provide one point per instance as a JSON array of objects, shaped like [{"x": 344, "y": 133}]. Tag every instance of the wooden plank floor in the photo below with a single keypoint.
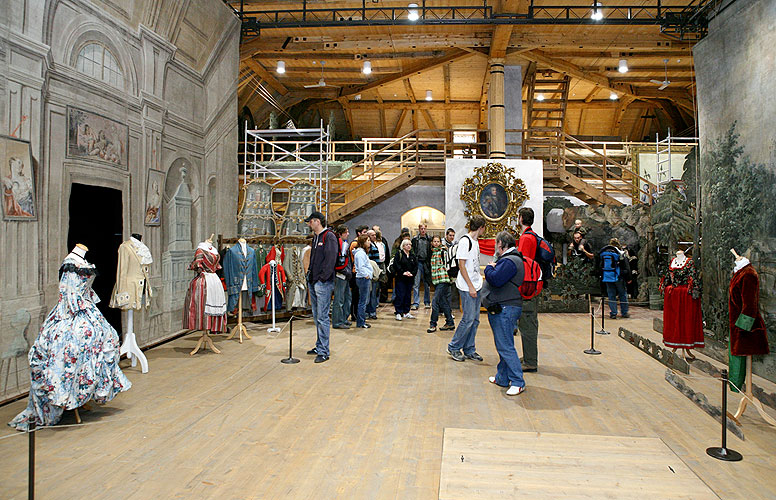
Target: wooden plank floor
[
  {"x": 484, "y": 464},
  {"x": 367, "y": 424}
]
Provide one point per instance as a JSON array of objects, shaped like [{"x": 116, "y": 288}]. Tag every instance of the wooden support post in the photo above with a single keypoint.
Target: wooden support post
[{"x": 496, "y": 119}]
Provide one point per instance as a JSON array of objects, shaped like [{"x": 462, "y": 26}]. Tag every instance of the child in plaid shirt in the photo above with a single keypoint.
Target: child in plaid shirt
[{"x": 442, "y": 283}]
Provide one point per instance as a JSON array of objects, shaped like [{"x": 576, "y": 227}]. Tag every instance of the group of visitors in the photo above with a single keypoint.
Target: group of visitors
[{"x": 352, "y": 272}]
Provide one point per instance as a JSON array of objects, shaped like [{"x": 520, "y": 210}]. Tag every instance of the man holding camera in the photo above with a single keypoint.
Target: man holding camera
[{"x": 504, "y": 303}]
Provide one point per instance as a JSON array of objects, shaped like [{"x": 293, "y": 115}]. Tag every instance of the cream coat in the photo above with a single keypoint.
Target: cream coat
[{"x": 131, "y": 277}]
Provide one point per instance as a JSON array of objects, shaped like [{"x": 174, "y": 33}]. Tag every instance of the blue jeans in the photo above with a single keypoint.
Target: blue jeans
[
  {"x": 508, "y": 371},
  {"x": 320, "y": 301},
  {"x": 614, "y": 290},
  {"x": 374, "y": 299},
  {"x": 364, "y": 285},
  {"x": 467, "y": 327},
  {"x": 441, "y": 303},
  {"x": 421, "y": 276},
  {"x": 341, "y": 307}
]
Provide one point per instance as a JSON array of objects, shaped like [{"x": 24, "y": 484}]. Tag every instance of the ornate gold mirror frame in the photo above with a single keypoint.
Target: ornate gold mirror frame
[{"x": 496, "y": 194}]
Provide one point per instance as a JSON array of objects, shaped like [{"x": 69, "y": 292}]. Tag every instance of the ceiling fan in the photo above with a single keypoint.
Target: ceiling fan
[
  {"x": 321, "y": 82},
  {"x": 665, "y": 83}
]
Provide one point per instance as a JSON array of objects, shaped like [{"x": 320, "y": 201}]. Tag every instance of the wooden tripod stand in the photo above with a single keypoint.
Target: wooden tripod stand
[
  {"x": 748, "y": 394},
  {"x": 239, "y": 328},
  {"x": 208, "y": 343}
]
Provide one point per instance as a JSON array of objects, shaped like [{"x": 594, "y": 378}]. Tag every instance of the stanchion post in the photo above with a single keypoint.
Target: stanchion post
[
  {"x": 723, "y": 452},
  {"x": 273, "y": 266},
  {"x": 592, "y": 349},
  {"x": 603, "y": 331},
  {"x": 290, "y": 360},
  {"x": 31, "y": 464}
]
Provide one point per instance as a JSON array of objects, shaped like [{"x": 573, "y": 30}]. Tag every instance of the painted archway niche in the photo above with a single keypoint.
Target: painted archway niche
[{"x": 431, "y": 217}]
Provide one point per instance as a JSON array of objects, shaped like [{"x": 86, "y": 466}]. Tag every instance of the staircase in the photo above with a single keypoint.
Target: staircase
[
  {"x": 547, "y": 99},
  {"x": 384, "y": 172}
]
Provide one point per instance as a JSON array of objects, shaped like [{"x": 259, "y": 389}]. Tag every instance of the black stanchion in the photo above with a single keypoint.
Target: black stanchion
[
  {"x": 290, "y": 360},
  {"x": 603, "y": 331},
  {"x": 724, "y": 453},
  {"x": 31, "y": 464},
  {"x": 592, "y": 349}
]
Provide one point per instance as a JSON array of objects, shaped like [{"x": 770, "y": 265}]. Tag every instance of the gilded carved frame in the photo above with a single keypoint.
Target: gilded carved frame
[{"x": 501, "y": 201}]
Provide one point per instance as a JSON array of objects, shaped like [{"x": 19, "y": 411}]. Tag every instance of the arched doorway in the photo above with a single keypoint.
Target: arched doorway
[{"x": 431, "y": 217}]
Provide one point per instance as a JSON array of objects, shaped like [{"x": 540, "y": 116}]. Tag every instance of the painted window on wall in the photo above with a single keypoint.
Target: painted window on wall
[{"x": 97, "y": 61}]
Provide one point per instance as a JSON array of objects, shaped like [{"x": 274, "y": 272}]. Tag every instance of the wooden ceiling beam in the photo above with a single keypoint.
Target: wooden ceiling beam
[
  {"x": 399, "y": 123},
  {"x": 381, "y": 111},
  {"x": 265, "y": 75},
  {"x": 641, "y": 53},
  {"x": 620, "y": 113},
  {"x": 414, "y": 69},
  {"x": 446, "y": 75},
  {"x": 648, "y": 79},
  {"x": 345, "y": 56}
]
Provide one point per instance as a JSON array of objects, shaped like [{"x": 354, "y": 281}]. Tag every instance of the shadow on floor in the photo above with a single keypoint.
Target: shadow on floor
[
  {"x": 573, "y": 373},
  {"x": 540, "y": 398}
]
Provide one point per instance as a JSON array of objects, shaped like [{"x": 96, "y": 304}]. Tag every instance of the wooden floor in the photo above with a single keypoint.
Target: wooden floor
[
  {"x": 367, "y": 424},
  {"x": 482, "y": 464}
]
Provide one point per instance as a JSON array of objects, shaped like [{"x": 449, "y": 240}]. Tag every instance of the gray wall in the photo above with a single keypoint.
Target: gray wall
[
  {"x": 179, "y": 100},
  {"x": 736, "y": 77},
  {"x": 388, "y": 214}
]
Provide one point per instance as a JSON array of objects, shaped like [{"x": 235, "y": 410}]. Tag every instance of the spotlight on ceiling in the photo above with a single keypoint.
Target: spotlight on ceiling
[
  {"x": 281, "y": 67},
  {"x": 429, "y": 96},
  {"x": 367, "y": 69},
  {"x": 613, "y": 96},
  {"x": 540, "y": 97},
  {"x": 412, "y": 14},
  {"x": 623, "y": 66},
  {"x": 597, "y": 14}
]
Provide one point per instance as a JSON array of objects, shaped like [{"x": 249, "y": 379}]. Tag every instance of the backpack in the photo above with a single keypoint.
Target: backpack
[
  {"x": 545, "y": 256},
  {"x": 452, "y": 259},
  {"x": 610, "y": 265},
  {"x": 532, "y": 279},
  {"x": 343, "y": 261}
]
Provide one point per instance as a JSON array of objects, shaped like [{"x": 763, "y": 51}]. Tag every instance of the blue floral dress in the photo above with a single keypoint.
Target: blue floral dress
[{"x": 76, "y": 355}]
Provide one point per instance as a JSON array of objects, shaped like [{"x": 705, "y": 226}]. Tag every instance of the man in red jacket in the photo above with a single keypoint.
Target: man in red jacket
[{"x": 528, "y": 323}]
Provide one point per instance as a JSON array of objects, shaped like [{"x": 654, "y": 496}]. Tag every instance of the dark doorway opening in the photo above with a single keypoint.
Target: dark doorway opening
[{"x": 96, "y": 221}]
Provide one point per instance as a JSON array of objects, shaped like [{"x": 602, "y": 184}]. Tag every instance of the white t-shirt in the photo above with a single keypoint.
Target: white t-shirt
[{"x": 472, "y": 265}]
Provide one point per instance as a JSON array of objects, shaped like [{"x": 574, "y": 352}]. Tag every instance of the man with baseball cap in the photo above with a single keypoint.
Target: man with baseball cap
[{"x": 320, "y": 280}]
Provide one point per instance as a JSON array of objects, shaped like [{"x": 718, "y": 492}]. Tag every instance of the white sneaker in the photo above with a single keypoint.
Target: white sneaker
[
  {"x": 409, "y": 316},
  {"x": 515, "y": 390},
  {"x": 398, "y": 317},
  {"x": 492, "y": 380}
]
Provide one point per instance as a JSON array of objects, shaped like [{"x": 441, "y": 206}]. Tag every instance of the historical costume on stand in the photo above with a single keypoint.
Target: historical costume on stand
[
  {"x": 240, "y": 274},
  {"x": 748, "y": 336},
  {"x": 205, "y": 305},
  {"x": 682, "y": 319},
  {"x": 265, "y": 278},
  {"x": 132, "y": 289},
  {"x": 75, "y": 358}
]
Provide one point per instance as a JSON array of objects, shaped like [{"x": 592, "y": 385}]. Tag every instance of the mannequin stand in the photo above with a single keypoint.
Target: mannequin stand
[
  {"x": 130, "y": 348},
  {"x": 239, "y": 328},
  {"x": 274, "y": 328},
  {"x": 208, "y": 343},
  {"x": 686, "y": 354},
  {"x": 748, "y": 394}
]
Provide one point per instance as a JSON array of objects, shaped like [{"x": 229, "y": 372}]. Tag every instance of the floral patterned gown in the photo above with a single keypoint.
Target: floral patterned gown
[{"x": 75, "y": 358}]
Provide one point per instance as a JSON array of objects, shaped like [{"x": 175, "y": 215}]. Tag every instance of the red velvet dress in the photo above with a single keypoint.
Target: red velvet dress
[
  {"x": 682, "y": 319},
  {"x": 744, "y": 298}
]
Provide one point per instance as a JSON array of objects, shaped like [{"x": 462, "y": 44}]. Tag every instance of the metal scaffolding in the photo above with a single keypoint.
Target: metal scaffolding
[{"x": 284, "y": 157}]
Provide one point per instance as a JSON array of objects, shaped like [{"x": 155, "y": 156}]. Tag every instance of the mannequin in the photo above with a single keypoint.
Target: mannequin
[
  {"x": 682, "y": 318},
  {"x": 205, "y": 305},
  {"x": 241, "y": 276},
  {"x": 75, "y": 357},
  {"x": 133, "y": 291},
  {"x": 265, "y": 277},
  {"x": 748, "y": 336}
]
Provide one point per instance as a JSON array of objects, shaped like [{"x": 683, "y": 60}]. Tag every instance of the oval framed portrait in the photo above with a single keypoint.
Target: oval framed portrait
[{"x": 494, "y": 201}]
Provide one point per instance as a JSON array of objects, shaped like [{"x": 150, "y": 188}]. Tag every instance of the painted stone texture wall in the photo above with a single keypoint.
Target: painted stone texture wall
[
  {"x": 736, "y": 82},
  {"x": 173, "y": 102}
]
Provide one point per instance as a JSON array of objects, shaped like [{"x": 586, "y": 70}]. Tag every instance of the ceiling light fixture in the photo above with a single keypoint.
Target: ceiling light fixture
[
  {"x": 358, "y": 97},
  {"x": 412, "y": 14},
  {"x": 281, "y": 67},
  {"x": 597, "y": 14},
  {"x": 429, "y": 96},
  {"x": 540, "y": 97},
  {"x": 367, "y": 69},
  {"x": 623, "y": 67},
  {"x": 613, "y": 96}
]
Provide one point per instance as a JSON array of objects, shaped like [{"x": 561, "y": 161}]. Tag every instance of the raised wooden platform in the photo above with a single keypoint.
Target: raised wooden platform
[
  {"x": 366, "y": 424},
  {"x": 485, "y": 464}
]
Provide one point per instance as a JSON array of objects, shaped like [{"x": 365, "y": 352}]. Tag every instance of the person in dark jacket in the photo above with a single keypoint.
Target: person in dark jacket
[
  {"x": 421, "y": 246},
  {"x": 320, "y": 281},
  {"x": 615, "y": 272},
  {"x": 404, "y": 265},
  {"x": 386, "y": 261},
  {"x": 503, "y": 278}
]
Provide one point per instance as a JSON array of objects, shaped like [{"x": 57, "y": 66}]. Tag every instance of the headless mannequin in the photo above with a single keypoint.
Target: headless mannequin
[
  {"x": 677, "y": 262},
  {"x": 205, "y": 338},
  {"x": 740, "y": 263},
  {"x": 79, "y": 254},
  {"x": 129, "y": 346},
  {"x": 240, "y": 329}
]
